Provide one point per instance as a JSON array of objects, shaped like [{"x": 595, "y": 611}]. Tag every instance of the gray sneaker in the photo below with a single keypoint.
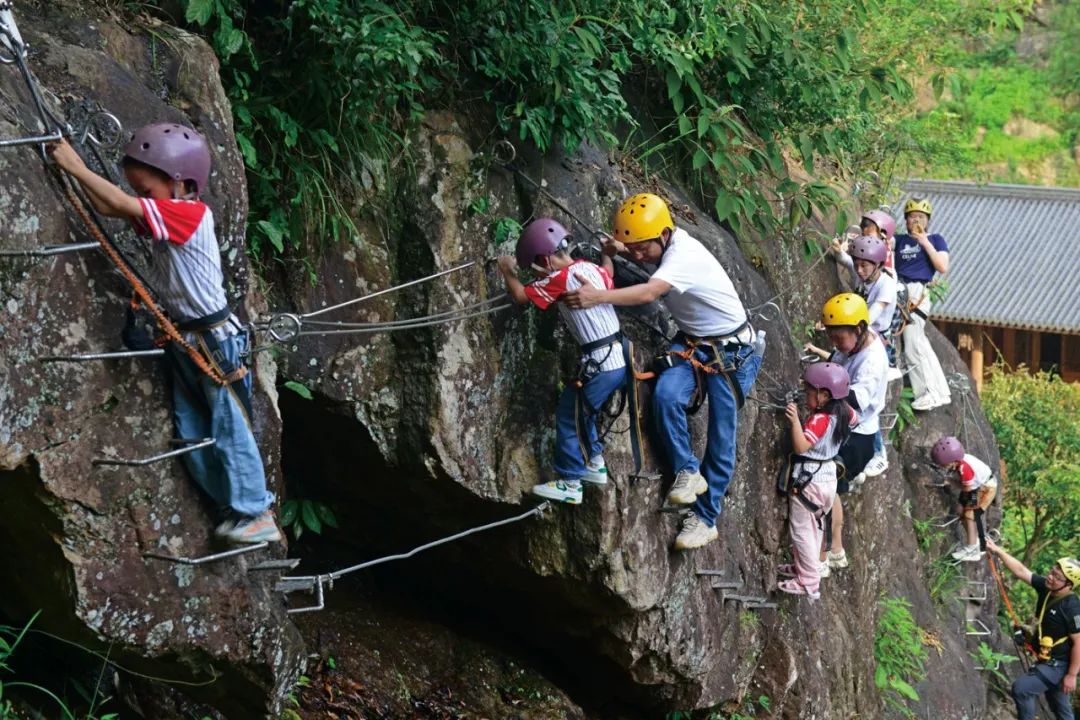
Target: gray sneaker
[
  {"x": 695, "y": 533},
  {"x": 252, "y": 530},
  {"x": 688, "y": 485},
  {"x": 226, "y": 526}
]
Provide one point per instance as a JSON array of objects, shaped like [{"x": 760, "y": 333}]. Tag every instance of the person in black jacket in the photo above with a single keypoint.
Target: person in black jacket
[{"x": 1056, "y": 636}]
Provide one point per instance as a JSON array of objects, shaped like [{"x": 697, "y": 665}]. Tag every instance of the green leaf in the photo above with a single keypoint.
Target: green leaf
[
  {"x": 903, "y": 688},
  {"x": 701, "y": 159},
  {"x": 199, "y": 11},
  {"x": 326, "y": 514},
  {"x": 299, "y": 389},
  {"x": 881, "y": 677},
  {"x": 288, "y": 512},
  {"x": 247, "y": 150},
  {"x": 273, "y": 233},
  {"x": 806, "y": 149},
  {"x": 311, "y": 519}
]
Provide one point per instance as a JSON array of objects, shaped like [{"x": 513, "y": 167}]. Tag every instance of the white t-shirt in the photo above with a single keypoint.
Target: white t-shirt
[
  {"x": 702, "y": 299},
  {"x": 974, "y": 473},
  {"x": 867, "y": 370},
  {"x": 882, "y": 290}
]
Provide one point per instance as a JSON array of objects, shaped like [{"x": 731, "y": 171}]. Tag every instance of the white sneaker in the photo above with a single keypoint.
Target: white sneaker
[
  {"x": 926, "y": 402},
  {"x": 942, "y": 402},
  {"x": 824, "y": 570},
  {"x": 688, "y": 485},
  {"x": 857, "y": 482},
  {"x": 877, "y": 465},
  {"x": 596, "y": 471},
  {"x": 694, "y": 533},
  {"x": 836, "y": 561},
  {"x": 968, "y": 553},
  {"x": 561, "y": 490},
  {"x": 893, "y": 374}
]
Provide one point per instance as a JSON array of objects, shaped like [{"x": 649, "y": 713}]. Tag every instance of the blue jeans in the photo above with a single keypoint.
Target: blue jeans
[
  {"x": 879, "y": 444},
  {"x": 569, "y": 463},
  {"x": 1044, "y": 677},
  {"x": 674, "y": 390},
  {"x": 231, "y": 470}
]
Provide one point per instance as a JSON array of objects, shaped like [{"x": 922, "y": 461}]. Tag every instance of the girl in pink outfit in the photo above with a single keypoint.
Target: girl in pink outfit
[{"x": 813, "y": 483}]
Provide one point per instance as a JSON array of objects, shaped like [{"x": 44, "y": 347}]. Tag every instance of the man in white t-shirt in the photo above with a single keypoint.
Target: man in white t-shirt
[{"x": 715, "y": 342}]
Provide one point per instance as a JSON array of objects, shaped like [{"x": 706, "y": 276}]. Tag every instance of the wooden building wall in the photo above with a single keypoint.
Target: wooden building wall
[{"x": 1034, "y": 350}]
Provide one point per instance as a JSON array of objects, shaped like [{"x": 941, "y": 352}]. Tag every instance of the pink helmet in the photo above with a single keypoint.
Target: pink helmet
[
  {"x": 883, "y": 220},
  {"x": 828, "y": 376},
  {"x": 543, "y": 236},
  {"x": 947, "y": 450},
  {"x": 178, "y": 151},
  {"x": 869, "y": 248}
]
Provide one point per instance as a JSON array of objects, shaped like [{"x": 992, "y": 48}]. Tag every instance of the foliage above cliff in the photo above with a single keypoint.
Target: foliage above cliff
[{"x": 325, "y": 90}]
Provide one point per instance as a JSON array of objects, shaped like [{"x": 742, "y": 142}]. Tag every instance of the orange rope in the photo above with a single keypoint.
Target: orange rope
[{"x": 172, "y": 334}]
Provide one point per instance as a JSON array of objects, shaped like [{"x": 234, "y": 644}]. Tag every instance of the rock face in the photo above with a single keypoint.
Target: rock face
[
  {"x": 415, "y": 435},
  {"x": 75, "y": 534}
]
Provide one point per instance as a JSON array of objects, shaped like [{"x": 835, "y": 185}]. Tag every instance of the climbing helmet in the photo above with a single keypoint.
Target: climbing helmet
[
  {"x": 541, "y": 237},
  {"x": 828, "y": 376},
  {"x": 1070, "y": 568},
  {"x": 946, "y": 451},
  {"x": 844, "y": 309},
  {"x": 918, "y": 205},
  {"x": 869, "y": 248},
  {"x": 883, "y": 220},
  {"x": 178, "y": 151},
  {"x": 641, "y": 218}
]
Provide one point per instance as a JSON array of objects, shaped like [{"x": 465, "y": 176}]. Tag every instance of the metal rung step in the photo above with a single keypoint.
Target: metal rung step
[
  {"x": 745, "y": 599},
  {"x": 49, "y": 250},
  {"x": 208, "y": 558},
  {"x": 974, "y": 591},
  {"x": 976, "y": 628},
  {"x": 283, "y": 564},
  {"x": 320, "y": 600},
  {"x": 887, "y": 421},
  {"x": 672, "y": 509},
  {"x": 189, "y": 445},
  {"x": 944, "y": 521},
  {"x": 725, "y": 585},
  {"x": 762, "y": 605},
  {"x": 709, "y": 573},
  {"x": 936, "y": 484},
  {"x": 119, "y": 355},
  {"x": 31, "y": 140},
  {"x": 296, "y": 584},
  {"x": 645, "y": 475}
]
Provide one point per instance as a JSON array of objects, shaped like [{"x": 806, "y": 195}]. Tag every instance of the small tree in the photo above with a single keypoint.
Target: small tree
[{"x": 1036, "y": 420}]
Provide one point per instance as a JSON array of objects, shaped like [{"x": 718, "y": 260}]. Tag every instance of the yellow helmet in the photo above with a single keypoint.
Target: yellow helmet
[
  {"x": 1070, "y": 568},
  {"x": 918, "y": 205},
  {"x": 643, "y": 217},
  {"x": 844, "y": 309}
]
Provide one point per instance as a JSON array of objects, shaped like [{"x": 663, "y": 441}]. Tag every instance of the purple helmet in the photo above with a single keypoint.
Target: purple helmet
[
  {"x": 883, "y": 220},
  {"x": 869, "y": 248},
  {"x": 947, "y": 450},
  {"x": 543, "y": 236},
  {"x": 178, "y": 151},
  {"x": 828, "y": 376}
]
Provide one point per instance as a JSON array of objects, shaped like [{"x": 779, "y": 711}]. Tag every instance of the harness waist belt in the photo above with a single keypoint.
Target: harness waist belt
[
  {"x": 206, "y": 322},
  {"x": 588, "y": 347}
]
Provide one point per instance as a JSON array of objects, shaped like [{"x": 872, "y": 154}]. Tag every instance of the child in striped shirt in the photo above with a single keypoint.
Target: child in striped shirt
[
  {"x": 168, "y": 167},
  {"x": 543, "y": 248},
  {"x": 977, "y": 490}
]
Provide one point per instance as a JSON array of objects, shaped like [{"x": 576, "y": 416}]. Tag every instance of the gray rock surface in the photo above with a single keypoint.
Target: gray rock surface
[{"x": 75, "y": 535}]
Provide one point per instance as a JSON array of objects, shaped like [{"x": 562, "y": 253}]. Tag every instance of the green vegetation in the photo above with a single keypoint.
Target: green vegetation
[
  {"x": 325, "y": 93},
  {"x": 900, "y": 655},
  {"x": 1036, "y": 420},
  {"x": 989, "y": 661}
]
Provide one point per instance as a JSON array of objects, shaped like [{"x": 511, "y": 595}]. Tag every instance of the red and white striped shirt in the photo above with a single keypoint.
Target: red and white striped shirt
[
  {"x": 186, "y": 261},
  {"x": 974, "y": 473},
  {"x": 589, "y": 324},
  {"x": 818, "y": 431}
]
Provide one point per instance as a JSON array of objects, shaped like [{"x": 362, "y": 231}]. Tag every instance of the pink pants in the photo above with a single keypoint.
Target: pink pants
[{"x": 806, "y": 532}]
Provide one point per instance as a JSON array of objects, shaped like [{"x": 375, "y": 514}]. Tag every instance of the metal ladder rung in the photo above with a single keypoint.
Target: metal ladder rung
[
  {"x": 31, "y": 140},
  {"x": 296, "y": 584},
  {"x": 890, "y": 423},
  {"x": 320, "y": 600},
  {"x": 709, "y": 573},
  {"x": 975, "y": 591},
  {"x": 87, "y": 357},
  {"x": 645, "y": 475},
  {"x": 725, "y": 585},
  {"x": 673, "y": 509},
  {"x": 283, "y": 564},
  {"x": 976, "y": 628},
  {"x": 208, "y": 558},
  {"x": 745, "y": 599},
  {"x": 762, "y": 605},
  {"x": 49, "y": 250},
  {"x": 943, "y": 521},
  {"x": 189, "y": 446}
]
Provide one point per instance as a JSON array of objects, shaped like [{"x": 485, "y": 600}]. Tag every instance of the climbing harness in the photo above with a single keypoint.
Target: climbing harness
[
  {"x": 718, "y": 365},
  {"x": 318, "y": 584}
]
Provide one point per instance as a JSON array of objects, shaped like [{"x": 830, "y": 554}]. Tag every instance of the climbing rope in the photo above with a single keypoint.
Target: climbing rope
[{"x": 317, "y": 581}]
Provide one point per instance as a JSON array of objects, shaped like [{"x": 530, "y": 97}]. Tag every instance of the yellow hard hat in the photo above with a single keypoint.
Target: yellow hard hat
[
  {"x": 844, "y": 309},
  {"x": 918, "y": 205},
  {"x": 1070, "y": 568},
  {"x": 642, "y": 217}
]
